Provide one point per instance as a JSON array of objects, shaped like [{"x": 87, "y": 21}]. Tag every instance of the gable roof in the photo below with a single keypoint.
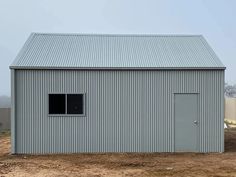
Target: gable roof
[{"x": 100, "y": 51}]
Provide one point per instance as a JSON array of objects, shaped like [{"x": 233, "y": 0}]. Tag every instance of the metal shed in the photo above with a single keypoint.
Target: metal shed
[{"x": 117, "y": 93}]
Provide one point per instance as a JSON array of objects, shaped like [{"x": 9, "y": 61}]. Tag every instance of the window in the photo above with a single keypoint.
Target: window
[
  {"x": 75, "y": 104},
  {"x": 57, "y": 104},
  {"x": 66, "y": 104}
]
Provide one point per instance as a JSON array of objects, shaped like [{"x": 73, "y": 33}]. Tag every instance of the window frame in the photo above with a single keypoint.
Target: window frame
[{"x": 67, "y": 115}]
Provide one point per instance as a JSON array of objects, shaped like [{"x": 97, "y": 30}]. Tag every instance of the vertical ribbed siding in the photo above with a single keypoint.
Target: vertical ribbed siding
[{"x": 126, "y": 111}]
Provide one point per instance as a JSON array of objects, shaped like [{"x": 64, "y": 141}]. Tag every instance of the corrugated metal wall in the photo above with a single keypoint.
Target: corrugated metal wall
[{"x": 126, "y": 111}]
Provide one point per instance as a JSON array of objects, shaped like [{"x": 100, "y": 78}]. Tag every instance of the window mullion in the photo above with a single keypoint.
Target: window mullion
[{"x": 66, "y": 103}]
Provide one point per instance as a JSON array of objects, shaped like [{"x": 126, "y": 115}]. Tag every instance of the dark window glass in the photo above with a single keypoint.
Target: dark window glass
[
  {"x": 75, "y": 104},
  {"x": 57, "y": 104}
]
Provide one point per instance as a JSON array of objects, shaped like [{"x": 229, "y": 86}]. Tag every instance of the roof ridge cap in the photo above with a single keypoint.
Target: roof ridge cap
[{"x": 118, "y": 35}]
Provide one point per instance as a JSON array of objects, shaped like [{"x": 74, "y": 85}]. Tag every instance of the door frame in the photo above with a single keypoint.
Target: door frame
[{"x": 198, "y": 125}]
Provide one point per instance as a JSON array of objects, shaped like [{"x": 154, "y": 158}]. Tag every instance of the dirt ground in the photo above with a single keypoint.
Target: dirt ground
[{"x": 121, "y": 164}]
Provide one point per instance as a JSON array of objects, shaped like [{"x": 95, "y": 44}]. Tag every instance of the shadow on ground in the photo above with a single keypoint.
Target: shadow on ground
[{"x": 230, "y": 140}]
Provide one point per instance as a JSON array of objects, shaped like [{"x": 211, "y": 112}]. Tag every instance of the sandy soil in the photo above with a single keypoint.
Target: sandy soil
[{"x": 121, "y": 164}]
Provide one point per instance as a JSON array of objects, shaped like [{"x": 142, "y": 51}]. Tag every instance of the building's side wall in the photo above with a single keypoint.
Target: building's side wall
[{"x": 126, "y": 111}]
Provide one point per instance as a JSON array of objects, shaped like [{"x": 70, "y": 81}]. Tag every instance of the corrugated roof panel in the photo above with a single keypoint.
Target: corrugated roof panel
[{"x": 116, "y": 51}]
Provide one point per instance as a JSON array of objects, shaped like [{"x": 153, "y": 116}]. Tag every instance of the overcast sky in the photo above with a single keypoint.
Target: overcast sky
[{"x": 215, "y": 19}]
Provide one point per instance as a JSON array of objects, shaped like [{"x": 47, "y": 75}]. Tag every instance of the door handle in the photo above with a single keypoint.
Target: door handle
[{"x": 195, "y": 122}]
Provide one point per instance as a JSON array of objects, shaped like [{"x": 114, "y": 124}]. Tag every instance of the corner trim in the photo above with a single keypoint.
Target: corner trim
[{"x": 13, "y": 117}]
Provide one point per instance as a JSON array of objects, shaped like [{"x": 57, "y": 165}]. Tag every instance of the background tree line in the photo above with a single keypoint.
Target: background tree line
[{"x": 230, "y": 90}]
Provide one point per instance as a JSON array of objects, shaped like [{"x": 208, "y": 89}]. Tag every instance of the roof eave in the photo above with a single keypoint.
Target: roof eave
[{"x": 114, "y": 68}]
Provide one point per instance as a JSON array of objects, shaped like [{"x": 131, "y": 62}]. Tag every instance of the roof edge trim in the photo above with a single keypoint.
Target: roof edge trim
[{"x": 117, "y": 68}]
